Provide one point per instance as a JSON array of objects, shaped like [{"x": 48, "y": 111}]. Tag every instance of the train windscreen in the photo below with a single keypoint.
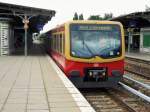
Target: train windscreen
[{"x": 90, "y": 40}]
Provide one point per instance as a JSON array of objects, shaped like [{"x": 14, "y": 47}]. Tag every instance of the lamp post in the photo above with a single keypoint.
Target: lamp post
[{"x": 26, "y": 22}]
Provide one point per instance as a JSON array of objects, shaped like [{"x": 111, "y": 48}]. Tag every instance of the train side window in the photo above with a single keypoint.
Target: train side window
[
  {"x": 53, "y": 42},
  {"x": 56, "y": 43},
  {"x": 50, "y": 42},
  {"x": 61, "y": 43}
]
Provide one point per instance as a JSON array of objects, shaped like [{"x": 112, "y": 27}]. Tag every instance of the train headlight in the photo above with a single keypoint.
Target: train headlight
[
  {"x": 90, "y": 74},
  {"x": 103, "y": 73}
]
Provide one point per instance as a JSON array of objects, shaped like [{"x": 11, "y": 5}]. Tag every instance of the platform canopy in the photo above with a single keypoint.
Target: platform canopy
[
  {"x": 38, "y": 17},
  {"x": 135, "y": 20}
]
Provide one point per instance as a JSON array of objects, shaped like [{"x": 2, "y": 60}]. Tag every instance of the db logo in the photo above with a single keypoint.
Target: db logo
[{"x": 96, "y": 65}]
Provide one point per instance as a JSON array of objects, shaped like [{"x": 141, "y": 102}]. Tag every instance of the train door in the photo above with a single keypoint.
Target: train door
[{"x": 136, "y": 43}]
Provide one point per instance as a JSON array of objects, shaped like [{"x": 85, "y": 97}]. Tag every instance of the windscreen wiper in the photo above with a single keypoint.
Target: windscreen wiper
[{"x": 88, "y": 48}]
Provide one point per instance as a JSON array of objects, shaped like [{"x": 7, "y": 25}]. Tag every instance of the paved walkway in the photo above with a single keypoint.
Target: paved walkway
[{"x": 30, "y": 84}]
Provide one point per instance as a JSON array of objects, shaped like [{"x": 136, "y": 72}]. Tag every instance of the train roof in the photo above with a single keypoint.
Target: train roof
[
  {"x": 89, "y": 22},
  {"x": 92, "y": 22},
  {"x": 86, "y": 22}
]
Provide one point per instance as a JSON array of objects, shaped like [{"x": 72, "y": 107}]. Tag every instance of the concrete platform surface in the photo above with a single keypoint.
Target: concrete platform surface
[
  {"x": 36, "y": 84},
  {"x": 141, "y": 56}
]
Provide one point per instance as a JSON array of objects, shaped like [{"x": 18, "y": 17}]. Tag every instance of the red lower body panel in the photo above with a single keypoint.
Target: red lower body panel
[{"x": 68, "y": 66}]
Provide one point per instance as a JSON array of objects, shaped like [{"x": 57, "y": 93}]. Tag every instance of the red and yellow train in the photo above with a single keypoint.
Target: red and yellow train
[{"x": 90, "y": 53}]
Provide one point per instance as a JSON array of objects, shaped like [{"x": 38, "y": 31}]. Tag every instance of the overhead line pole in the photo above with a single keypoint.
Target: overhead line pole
[{"x": 26, "y": 21}]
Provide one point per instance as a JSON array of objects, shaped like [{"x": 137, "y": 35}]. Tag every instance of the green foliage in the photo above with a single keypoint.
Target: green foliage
[
  {"x": 107, "y": 16},
  {"x": 81, "y": 17},
  {"x": 78, "y": 17},
  {"x": 95, "y": 17},
  {"x": 147, "y": 8},
  {"x": 75, "y": 16}
]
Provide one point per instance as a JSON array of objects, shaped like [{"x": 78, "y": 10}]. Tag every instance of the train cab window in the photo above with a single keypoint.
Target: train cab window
[{"x": 105, "y": 41}]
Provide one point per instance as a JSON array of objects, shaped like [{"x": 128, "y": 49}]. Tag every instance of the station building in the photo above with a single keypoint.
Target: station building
[
  {"x": 137, "y": 31},
  {"x": 17, "y": 26}
]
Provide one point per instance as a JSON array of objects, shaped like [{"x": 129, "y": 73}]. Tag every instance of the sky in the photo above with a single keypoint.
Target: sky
[{"x": 65, "y": 9}]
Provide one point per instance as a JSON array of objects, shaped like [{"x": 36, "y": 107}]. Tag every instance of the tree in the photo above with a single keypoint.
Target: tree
[
  {"x": 81, "y": 17},
  {"x": 75, "y": 16},
  {"x": 95, "y": 17},
  {"x": 147, "y": 8},
  {"x": 107, "y": 16}
]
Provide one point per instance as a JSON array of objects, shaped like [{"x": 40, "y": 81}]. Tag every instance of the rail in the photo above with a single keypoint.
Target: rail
[
  {"x": 140, "y": 83},
  {"x": 135, "y": 92}
]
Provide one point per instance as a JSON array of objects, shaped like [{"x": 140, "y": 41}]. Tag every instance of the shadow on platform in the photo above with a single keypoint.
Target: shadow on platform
[{"x": 34, "y": 50}]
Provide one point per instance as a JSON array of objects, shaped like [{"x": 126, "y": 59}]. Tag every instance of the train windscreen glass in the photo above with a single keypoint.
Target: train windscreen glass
[{"x": 88, "y": 41}]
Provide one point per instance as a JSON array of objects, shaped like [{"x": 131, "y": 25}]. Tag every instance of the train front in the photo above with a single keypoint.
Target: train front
[{"x": 96, "y": 54}]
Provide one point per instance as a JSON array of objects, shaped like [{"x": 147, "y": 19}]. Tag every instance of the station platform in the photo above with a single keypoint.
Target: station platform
[
  {"x": 36, "y": 84},
  {"x": 141, "y": 56}
]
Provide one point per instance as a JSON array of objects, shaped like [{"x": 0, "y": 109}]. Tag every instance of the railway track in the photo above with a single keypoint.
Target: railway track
[
  {"x": 137, "y": 82},
  {"x": 132, "y": 94},
  {"x": 102, "y": 101},
  {"x": 137, "y": 74},
  {"x": 115, "y": 100},
  {"x": 121, "y": 99},
  {"x": 138, "y": 66}
]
